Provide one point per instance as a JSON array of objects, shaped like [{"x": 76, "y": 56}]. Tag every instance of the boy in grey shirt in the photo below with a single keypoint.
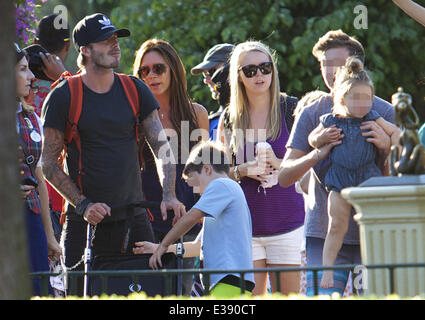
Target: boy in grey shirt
[{"x": 227, "y": 229}]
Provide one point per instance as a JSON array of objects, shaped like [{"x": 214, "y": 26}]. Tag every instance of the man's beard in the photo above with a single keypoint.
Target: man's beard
[{"x": 99, "y": 60}]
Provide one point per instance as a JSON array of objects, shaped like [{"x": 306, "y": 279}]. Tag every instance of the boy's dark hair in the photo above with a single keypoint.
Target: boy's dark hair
[
  {"x": 337, "y": 39},
  {"x": 207, "y": 152}
]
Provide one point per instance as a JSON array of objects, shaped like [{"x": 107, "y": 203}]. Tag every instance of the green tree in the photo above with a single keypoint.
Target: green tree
[{"x": 393, "y": 51}]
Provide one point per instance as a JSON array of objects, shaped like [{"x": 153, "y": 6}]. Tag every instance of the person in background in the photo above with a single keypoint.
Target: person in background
[
  {"x": 220, "y": 79},
  {"x": 157, "y": 63},
  {"x": 42, "y": 244},
  {"x": 47, "y": 62},
  {"x": 216, "y": 58},
  {"x": 47, "y": 55}
]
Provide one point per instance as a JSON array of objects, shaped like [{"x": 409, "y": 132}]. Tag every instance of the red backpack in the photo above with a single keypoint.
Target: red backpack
[{"x": 75, "y": 83}]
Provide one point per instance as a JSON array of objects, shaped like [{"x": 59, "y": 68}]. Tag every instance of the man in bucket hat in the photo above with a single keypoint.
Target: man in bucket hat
[
  {"x": 107, "y": 175},
  {"x": 215, "y": 63}
]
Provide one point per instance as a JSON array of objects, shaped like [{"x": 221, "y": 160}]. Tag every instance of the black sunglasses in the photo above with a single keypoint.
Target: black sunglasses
[
  {"x": 158, "y": 69},
  {"x": 250, "y": 70}
]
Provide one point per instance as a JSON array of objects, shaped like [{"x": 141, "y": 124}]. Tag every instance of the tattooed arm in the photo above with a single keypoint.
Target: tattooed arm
[
  {"x": 52, "y": 147},
  {"x": 156, "y": 137}
]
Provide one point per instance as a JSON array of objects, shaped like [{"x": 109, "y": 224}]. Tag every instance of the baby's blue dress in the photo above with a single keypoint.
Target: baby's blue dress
[{"x": 353, "y": 161}]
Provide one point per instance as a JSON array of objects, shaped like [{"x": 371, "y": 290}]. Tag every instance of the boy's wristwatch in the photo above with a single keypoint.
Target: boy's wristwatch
[{"x": 236, "y": 173}]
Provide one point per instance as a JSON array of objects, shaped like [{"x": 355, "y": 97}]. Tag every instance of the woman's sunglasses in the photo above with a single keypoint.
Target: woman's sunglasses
[
  {"x": 250, "y": 70},
  {"x": 158, "y": 69}
]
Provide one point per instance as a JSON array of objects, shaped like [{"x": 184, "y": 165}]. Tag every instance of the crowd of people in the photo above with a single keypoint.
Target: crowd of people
[{"x": 254, "y": 184}]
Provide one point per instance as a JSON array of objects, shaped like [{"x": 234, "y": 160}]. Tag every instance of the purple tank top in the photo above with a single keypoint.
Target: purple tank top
[{"x": 279, "y": 210}]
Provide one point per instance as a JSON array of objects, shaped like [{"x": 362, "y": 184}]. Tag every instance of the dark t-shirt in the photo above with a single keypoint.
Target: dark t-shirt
[{"x": 110, "y": 166}]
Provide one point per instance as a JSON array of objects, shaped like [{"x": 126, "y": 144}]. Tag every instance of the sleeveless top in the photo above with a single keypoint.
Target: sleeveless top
[
  {"x": 279, "y": 210},
  {"x": 27, "y": 125},
  {"x": 152, "y": 191}
]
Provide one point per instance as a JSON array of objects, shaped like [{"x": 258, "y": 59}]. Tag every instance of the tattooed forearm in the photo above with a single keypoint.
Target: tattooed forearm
[
  {"x": 52, "y": 147},
  {"x": 155, "y": 136}
]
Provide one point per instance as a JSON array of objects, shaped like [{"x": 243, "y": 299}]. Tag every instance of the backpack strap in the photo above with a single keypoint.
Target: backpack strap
[
  {"x": 133, "y": 97},
  {"x": 132, "y": 94},
  {"x": 76, "y": 105},
  {"x": 75, "y": 84},
  {"x": 71, "y": 132}
]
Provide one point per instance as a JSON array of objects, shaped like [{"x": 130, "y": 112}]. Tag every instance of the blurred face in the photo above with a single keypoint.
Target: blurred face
[
  {"x": 105, "y": 54},
  {"x": 192, "y": 179},
  {"x": 256, "y": 81},
  {"x": 24, "y": 77},
  {"x": 155, "y": 72},
  {"x": 359, "y": 100},
  {"x": 200, "y": 181},
  {"x": 332, "y": 60}
]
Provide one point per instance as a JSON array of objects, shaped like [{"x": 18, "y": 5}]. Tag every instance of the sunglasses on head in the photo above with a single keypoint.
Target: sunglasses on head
[
  {"x": 250, "y": 70},
  {"x": 158, "y": 69}
]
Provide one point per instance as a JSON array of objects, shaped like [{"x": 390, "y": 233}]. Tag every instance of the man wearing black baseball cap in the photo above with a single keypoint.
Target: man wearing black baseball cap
[
  {"x": 55, "y": 40},
  {"x": 51, "y": 37},
  {"x": 216, "y": 62},
  {"x": 109, "y": 173},
  {"x": 215, "y": 58},
  {"x": 96, "y": 30}
]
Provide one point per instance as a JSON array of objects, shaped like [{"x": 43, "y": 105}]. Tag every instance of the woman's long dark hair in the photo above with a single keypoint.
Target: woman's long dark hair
[{"x": 180, "y": 102}]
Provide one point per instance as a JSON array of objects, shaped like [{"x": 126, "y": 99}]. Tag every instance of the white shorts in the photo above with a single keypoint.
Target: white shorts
[{"x": 281, "y": 249}]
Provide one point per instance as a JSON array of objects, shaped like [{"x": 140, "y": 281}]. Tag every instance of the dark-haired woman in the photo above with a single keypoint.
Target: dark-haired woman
[
  {"x": 185, "y": 123},
  {"x": 42, "y": 244}
]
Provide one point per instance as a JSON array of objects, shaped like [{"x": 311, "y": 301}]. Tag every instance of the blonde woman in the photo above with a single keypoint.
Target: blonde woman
[{"x": 258, "y": 112}]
